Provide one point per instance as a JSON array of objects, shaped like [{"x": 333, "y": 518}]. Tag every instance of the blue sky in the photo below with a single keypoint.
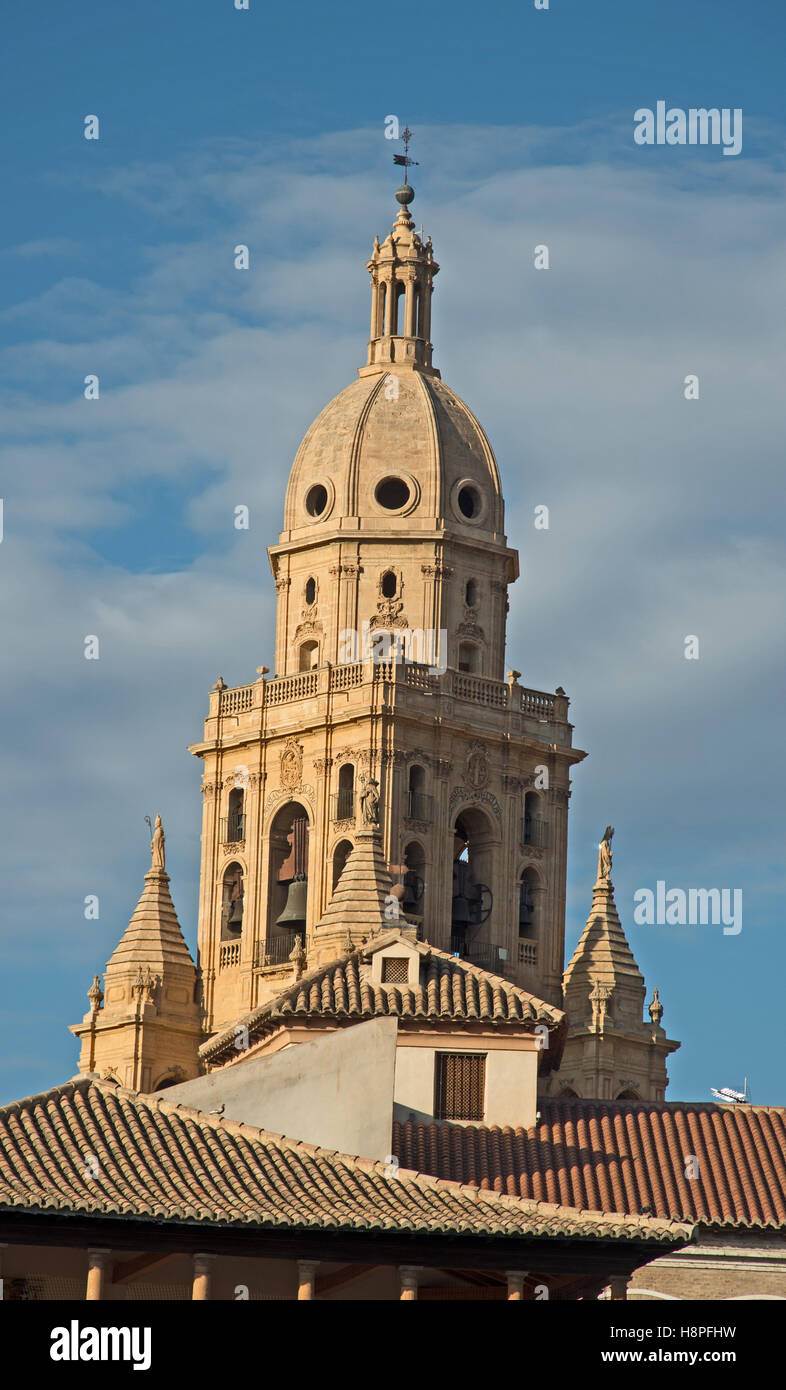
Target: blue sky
[{"x": 266, "y": 127}]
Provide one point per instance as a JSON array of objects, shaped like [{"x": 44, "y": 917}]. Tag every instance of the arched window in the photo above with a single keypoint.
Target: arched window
[
  {"x": 417, "y": 314},
  {"x": 383, "y": 293},
  {"x": 389, "y": 584},
  {"x": 470, "y": 593},
  {"x": 235, "y": 816},
  {"x": 345, "y": 797},
  {"x": 417, "y": 801},
  {"x": 468, "y": 657},
  {"x": 311, "y": 590},
  {"x": 628, "y": 1095},
  {"x": 309, "y": 656},
  {"x": 340, "y": 856},
  {"x": 534, "y": 823},
  {"x": 414, "y": 879},
  {"x": 397, "y": 295},
  {"x": 528, "y": 905},
  {"x": 232, "y": 902}
]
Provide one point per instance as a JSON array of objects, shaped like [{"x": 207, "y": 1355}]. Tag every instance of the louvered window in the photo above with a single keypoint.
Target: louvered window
[
  {"x": 395, "y": 970},
  {"x": 459, "y": 1082}
]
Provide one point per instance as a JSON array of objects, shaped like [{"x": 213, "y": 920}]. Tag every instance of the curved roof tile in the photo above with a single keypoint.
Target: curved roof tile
[
  {"x": 163, "y": 1161},
  {"x": 622, "y": 1156}
]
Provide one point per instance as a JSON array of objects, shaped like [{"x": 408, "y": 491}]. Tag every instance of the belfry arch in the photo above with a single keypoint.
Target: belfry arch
[{"x": 288, "y": 854}]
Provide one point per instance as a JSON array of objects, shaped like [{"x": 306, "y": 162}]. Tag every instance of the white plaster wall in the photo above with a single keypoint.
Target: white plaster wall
[
  {"x": 511, "y": 1084},
  {"x": 336, "y": 1092}
]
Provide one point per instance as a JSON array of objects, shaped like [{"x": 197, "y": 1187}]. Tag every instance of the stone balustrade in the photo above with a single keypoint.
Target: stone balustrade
[{"x": 475, "y": 690}]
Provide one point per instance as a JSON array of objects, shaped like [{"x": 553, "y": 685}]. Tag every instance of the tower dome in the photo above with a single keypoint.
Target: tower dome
[{"x": 397, "y": 451}]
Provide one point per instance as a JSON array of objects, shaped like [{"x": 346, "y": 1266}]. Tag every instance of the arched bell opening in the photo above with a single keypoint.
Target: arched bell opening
[
  {"x": 287, "y": 880},
  {"x": 232, "y": 902},
  {"x": 341, "y": 854},
  {"x": 474, "y": 840}
]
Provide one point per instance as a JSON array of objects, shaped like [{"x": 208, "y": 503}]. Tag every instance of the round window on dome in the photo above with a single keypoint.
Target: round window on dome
[
  {"x": 469, "y": 501},
  {"x": 316, "y": 499},
  {"x": 392, "y": 494}
]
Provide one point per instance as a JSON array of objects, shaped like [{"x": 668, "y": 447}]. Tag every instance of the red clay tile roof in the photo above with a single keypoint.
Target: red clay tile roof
[
  {"x": 161, "y": 1161},
  {"x": 453, "y": 991},
  {"x": 622, "y": 1157}
]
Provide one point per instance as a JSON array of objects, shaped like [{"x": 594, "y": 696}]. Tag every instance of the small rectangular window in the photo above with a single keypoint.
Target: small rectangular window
[
  {"x": 395, "y": 970},
  {"x": 459, "y": 1085}
]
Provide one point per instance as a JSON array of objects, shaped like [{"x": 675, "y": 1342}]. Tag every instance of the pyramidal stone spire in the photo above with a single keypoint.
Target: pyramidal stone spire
[
  {"x": 148, "y": 1031},
  {"x": 611, "y": 1052},
  {"x": 603, "y": 956},
  {"x": 153, "y": 937},
  {"x": 362, "y": 904}
]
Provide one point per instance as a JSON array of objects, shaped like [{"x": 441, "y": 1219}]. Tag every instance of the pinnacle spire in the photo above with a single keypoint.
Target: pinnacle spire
[
  {"x": 603, "y": 956},
  {"x": 360, "y": 906},
  {"x": 611, "y": 1052},
  {"x": 153, "y": 936},
  {"x": 145, "y": 1024}
]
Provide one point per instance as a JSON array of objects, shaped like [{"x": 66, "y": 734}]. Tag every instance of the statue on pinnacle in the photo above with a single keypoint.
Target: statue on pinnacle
[
  {"x": 605, "y": 854},
  {"x": 157, "y": 846}
]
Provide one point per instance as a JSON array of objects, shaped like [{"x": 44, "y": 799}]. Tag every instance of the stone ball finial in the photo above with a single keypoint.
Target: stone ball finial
[{"x": 405, "y": 195}]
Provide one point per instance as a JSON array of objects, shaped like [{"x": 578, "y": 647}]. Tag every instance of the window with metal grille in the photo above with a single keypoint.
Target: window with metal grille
[
  {"x": 459, "y": 1081},
  {"x": 395, "y": 970}
]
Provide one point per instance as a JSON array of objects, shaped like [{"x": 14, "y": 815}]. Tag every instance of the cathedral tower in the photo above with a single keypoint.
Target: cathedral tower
[{"x": 391, "y": 573}]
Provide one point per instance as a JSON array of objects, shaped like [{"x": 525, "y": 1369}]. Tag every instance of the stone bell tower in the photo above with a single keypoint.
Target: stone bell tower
[{"x": 391, "y": 573}]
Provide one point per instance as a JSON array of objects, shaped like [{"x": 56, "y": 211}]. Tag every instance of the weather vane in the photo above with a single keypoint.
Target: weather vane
[{"x": 406, "y": 136}]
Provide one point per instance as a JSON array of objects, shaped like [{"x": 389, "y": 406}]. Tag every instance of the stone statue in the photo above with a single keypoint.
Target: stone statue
[
  {"x": 157, "y": 846},
  {"x": 369, "y": 801},
  {"x": 604, "y": 853}
]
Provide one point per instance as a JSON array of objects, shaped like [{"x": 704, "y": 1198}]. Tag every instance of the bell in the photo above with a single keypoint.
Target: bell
[
  {"x": 294, "y": 914},
  {"x": 236, "y": 915}
]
